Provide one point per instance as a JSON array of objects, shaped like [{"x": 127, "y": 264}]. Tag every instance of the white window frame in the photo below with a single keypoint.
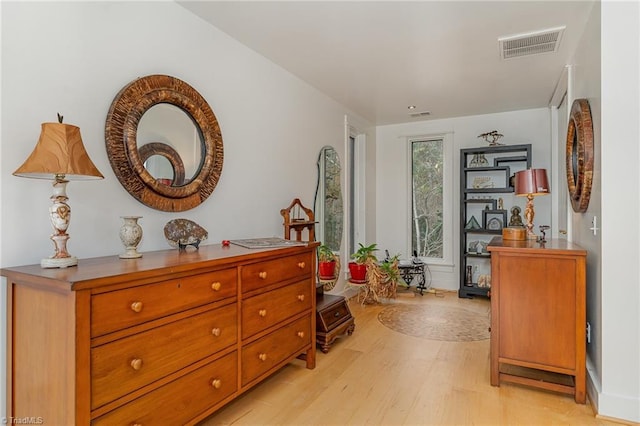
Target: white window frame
[
  {"x": 354, "y": 197},
  {"x": 448, "y": 215}
]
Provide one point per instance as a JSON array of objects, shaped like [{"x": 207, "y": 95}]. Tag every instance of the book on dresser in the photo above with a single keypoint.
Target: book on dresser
[{"x": 165, "y": 339}]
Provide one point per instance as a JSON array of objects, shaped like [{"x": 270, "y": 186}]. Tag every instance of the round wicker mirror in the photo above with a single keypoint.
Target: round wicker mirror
[
  {"x": 579, "y": 155},
  {"x": 127, "y": 162}
]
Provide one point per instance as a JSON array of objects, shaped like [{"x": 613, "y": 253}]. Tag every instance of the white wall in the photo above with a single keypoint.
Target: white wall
[
  {"x": 584, "y": 83},
  {"x": 74, "y": 57},
  {"x": 518, "y": 127},
  {"x": 618, "y": 136}
]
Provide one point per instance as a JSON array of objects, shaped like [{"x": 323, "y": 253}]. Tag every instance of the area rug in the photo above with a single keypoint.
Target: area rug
[{"x": 436, "y": 322}]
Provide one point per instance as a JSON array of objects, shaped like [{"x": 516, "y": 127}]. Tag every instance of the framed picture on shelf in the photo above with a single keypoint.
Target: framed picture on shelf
[{"x": 494, "y": 220}]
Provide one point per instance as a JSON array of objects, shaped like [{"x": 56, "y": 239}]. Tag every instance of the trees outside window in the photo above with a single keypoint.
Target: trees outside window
[{"x": 427, "y": 191}]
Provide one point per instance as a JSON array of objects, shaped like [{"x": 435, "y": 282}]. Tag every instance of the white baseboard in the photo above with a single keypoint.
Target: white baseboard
[{"x": 619, "y": 408}]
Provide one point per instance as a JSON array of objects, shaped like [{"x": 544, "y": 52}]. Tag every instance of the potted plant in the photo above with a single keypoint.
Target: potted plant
[
  {"x": 390, "y": 277},
  {"x": 358, "y": 268},
  {"x": 326, "y": 263}
]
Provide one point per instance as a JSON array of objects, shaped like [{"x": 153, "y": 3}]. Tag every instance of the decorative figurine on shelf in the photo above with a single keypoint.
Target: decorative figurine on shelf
[
  {"x": 472, "y": 224},
  {"x": 468, "y": 281},
  {"x": 484, "y": 281},
  {"x": 481, "y": 248},
  {"x": 479, "y": 160},
  {"x": 515, "y": 219},
  {"x": 500, "y": 204},
  {"x": 492, "y": 137}
]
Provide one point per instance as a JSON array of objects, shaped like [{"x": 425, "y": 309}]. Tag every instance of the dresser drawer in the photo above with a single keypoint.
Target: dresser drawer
[
  {"x": 124, "y": 365},
  {"x": 265, "y": 310},
  {"x": 181, "y": 400},
  {"x": 124, "y": 308},
  {"x": 262, "y": 355},
  {"x": 261, "y": 274}
]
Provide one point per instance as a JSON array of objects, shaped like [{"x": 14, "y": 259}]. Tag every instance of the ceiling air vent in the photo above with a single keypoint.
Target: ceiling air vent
[
  {"x": 420, "y": 114},
  {"x": 533, "y": 43}
]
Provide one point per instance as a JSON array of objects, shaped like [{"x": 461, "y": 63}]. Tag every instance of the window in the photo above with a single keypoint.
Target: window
[{"x": 428, "y": 221}]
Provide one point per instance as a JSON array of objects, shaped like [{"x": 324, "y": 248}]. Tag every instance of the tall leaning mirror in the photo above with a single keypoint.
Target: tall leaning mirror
[{"x": 328, "y": 202}]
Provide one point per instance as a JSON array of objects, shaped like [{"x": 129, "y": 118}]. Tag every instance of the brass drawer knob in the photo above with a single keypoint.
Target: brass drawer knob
[
  {"x": 301, "y": 334},
  {"x": 136, "y": 306},
  {"x": 263, "y": 357},
  {"x": 216, "y": 286},
  {"x": 301, "y": 265},
  {"x": 216, "y": 332},
  {"x": 262, "y": 313},
  {"x": 262, "y": 275},
  {"x": 216, "y": 383},
  {"x": 136, "y": 364},
  {"x": 301, "y": 297}
]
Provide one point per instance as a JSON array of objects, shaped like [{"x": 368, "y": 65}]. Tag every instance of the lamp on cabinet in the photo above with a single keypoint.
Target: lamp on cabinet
[
  {"x": 531, "y": 183},
  {"x": 60, "y": 156}
]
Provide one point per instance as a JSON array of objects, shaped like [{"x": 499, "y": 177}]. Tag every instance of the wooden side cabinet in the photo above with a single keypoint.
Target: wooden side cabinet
[
  {"x": 333, "y": 319},
  {"x": 538, "y": 319}
]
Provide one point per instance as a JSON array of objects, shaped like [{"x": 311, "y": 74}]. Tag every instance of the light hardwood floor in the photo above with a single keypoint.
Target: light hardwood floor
[{"x": 381, "y": 377}]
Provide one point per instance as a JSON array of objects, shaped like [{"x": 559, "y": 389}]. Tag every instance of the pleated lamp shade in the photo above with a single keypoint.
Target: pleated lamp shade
[{"x": 59, "y": 151}]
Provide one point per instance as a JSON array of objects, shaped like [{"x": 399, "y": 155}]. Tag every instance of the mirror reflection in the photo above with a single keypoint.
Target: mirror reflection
[
  {"x": 328, "y": 203},
  {"x": 161, "y": 169},
  {"x": 169, "y": 125}
]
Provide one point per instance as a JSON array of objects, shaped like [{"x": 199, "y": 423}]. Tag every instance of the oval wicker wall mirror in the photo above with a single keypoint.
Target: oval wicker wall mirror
[
  {"x": 579, "y": 155},
  {"x": 127, "y": 157}
]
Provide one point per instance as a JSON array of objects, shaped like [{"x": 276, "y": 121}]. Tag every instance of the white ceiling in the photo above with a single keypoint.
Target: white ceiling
[{"x": 379, "y": 57}]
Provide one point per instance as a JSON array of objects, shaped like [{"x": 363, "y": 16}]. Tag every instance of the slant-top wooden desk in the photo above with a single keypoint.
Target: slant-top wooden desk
[{"x": 538, "y": 320}]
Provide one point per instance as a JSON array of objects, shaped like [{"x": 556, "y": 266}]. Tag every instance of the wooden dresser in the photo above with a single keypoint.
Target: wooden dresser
[
  {"x": 165, "y": 339},
  {"x": 538, "y": 320}
]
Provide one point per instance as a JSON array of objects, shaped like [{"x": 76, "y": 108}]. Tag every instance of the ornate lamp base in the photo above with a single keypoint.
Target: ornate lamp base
[
  {"x": 62, "y": 262},
  {"x": 60, "y": 215},
  {"x": 529, "y": 214}
]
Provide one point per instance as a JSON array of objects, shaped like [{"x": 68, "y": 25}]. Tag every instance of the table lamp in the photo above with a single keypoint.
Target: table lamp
[
  {"x": 59, "y": 155},
  {"x": 531, "y": 183}
]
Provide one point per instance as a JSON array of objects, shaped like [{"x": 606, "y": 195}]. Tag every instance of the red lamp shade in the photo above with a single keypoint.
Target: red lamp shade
[{"x": 532, "y": 181}]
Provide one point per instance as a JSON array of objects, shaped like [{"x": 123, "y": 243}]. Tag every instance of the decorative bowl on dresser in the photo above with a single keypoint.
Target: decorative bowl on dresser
[{"x": 165, "y": 339}]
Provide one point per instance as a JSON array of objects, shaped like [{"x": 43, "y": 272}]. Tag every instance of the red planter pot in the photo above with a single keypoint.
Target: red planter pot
[
  {"x": 327, "y": 270},
  {"x": 358, "y": 272}
]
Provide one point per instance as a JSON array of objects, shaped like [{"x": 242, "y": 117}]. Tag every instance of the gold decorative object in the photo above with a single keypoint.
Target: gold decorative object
[{"x": 59, "y": 155}]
